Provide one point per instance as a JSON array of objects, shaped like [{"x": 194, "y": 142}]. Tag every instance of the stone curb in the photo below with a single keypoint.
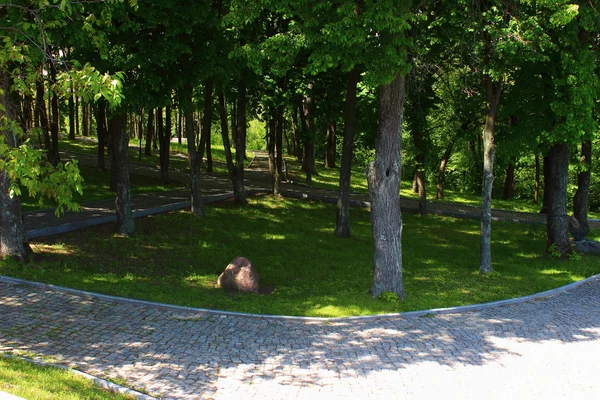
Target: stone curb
[
  {"x": 101, "y": 383},
  {"x": 225, "y": 314}
]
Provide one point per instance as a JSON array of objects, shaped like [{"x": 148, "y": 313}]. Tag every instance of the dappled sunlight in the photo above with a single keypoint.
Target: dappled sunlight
[{"x": 60, "y": 249}]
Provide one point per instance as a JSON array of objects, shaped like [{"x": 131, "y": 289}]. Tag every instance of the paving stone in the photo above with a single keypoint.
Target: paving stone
[{"x": 548, "y": 348}]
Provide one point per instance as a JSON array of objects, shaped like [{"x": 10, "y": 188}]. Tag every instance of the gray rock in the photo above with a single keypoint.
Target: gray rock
[{"x": 239, "y": 276}]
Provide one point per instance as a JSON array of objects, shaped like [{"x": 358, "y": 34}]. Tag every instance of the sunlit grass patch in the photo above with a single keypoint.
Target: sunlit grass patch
[
  {"x": 30, "y": 381},
  {"x": 176, "y": 258}
]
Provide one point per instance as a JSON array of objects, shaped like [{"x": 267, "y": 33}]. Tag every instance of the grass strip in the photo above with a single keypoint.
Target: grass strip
[{"x": 176, "y": 258}]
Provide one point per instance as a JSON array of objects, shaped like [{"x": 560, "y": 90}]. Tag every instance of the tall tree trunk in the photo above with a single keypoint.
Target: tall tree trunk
[
  {"x": 557, "y": 225},
  {"x": 420, "y": 170},
  {"x": 101, "y": 131},
  {"x": 296, "y": 136},
  {"x": 442, "y": 170},
  {"x": 234, "y": 124},
  {"x": 270, "y": 142},
  {"x": 206, "y": 122},
  {"x": 179, "y": 126},
  {"x": 149, "y": 133},
  {"x": 493, "y": 93},
  {"x": 164, "y": 137},
  {"x": 238, "y": 194},
  {"x": 72, "y": 112},
  {"x": 12, "y": 229},
  {"x": 42, "y": 115},
  {"x": 120, "y": 155},
  {"x": 536, "y": 190},
  {"x": 580, "y": 200},
  {"x": 547, "y": 185},
  {"x": 279, "y": 121},
  {"x": 77, "y": 121},
  {"x": 54, "y": 155},
  {"x": 197, "y": 207},
  {"x": 509, "y": 181},
  {"x": 383, "y": 176},
  {"x": 240, "y": 144},
  {"x": 308, "y": 106},
  {"x": 342, "y": 220},
  {"x": 330, "y": 145},
  {"x": 85, "y": 123}
]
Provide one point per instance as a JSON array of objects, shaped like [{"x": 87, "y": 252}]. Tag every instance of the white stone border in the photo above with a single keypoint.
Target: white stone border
[
  {"x": 419, "y": 313},
  {"x": 101, "y": 383}
]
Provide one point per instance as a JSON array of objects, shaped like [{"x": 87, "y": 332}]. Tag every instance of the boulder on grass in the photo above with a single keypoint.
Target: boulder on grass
[{"x": 239, "y": 276}]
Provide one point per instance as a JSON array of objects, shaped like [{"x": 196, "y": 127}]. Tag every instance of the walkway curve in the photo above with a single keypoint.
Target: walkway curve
[{"x": 188, "y": 354}]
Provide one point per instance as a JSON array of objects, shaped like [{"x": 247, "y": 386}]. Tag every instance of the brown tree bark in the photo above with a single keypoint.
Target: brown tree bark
[
  {"x": 509, "y": 181},
  {"x": 279, "y": 121},
  {"x": 557, "y": 220},
  {"x": 206, "y": 125},
  {"x": 41, "y": 113},
  {"x": 120, "y": 155},
  {"x": 580, "y": 200},
  {"x": 342, "y": 220},
  {"x": 383, "y": 176},
  {"x": 441, "y": 177},
  {"x": 238, "y": 193},
  {"x": 493, "y": 93},
  {"x": 12, "y": 229},
  {"x": 330, "y": 145},
  {"x": 308, "y": 105},
  {"x": 149, "y": 133},
  {"x": 164, "y": 137},
  {"x": 85, "y": 120},
  {"x": 240, "y": 144},
  {"x": 71, "y": 103},
  {"x": 270, "y": 128},
  {"x": 53, "y": 155},
  {"x": 536, "y": 190},
  {"x": 420, "y": 171},
  {"x": 297, "y": 151},
  {"x": 101, "y": 130}
]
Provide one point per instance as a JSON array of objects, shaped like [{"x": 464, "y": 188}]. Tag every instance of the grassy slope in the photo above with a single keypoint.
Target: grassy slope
[
  {"x": 95, "y": 187},
  {"x": 34, "y": 382},
  {"x": 176, "y": 258}
]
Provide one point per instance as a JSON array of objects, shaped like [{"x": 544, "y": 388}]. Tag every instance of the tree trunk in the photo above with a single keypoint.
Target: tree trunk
[
  {"x": 164, "y": 137},
  {"x": 296, "y": 136},
  {"x": 547, "y": 184},
  {"x": 101, "y": 131},
  {"x": 442, "y": 170},
  {"x": 420, "y": 170},
  {"x": 149, "y": 133},
  {"x": 85, "y": 123},
  {"x": 12, "y": 229},
  {"x": 330, "y": 145},
  {"x": 206, "y": 123},
  {"x": 509, "y": 181},
  {"x": 197, "y": 207},
  {"x": 493, "y": 93},
  {"x": 536, "y": 190},
  {"x": 279, "y": 121},
  {"x": 383, "y": 176},
  {"x": 237, "y": 195},
  {"x": 179, "y": 126},
  {"x": 580, "y": 200},
  {"x": 120, "y": 155},
  {"x": 270, "y": 139},
  {"x": 72, "y": 113},
  {"x": 308, "y": 105},
  {"x": 342, "y": 220},
  {"x": 53, "y": 153},
  {"x": 557, "y": 225},
  {"x": 42, "y": 115},
  {"x": 240, "y": 144}
]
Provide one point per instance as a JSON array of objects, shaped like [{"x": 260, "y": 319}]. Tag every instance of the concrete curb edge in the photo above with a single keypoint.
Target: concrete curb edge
[
  {"x": 101, "y": 383},
  {"x": 224, "y": 314}
]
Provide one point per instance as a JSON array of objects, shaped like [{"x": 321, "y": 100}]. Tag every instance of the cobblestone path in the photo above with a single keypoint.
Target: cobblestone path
[{"x": 542, "y": 349}]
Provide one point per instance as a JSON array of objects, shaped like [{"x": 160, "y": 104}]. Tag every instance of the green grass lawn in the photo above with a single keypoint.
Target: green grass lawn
[
  {"x": 328, "y": 178},
  {"x": 30, "y": 381},
  {"x": 176, "y": 258},
  {"x": 96, "y": 187}
]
